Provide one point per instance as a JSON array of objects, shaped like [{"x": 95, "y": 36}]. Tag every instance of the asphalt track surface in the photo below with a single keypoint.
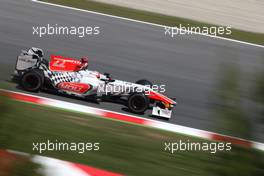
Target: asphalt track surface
[{"x": 187, "y": 65}]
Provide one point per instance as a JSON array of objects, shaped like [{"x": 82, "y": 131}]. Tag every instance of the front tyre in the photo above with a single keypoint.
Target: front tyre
[
  {"x": 144, "y": 82},
  {"x": 32, "y": 81},
  {"x": 147, "y": 83},
  {"x": 138, "y": 103}
]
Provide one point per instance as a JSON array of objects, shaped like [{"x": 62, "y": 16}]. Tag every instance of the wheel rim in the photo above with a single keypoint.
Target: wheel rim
[
  {"x": 138, "y": 103},
  {"x": 31, "y": 82}
]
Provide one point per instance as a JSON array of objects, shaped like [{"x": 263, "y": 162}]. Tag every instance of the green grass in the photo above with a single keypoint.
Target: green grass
[
  {"x": 124, "y": 148},
  {"x": 257, "y": 38}
]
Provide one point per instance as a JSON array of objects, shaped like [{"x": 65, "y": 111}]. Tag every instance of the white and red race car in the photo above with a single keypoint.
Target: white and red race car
[{"x": 71, "y": 76}]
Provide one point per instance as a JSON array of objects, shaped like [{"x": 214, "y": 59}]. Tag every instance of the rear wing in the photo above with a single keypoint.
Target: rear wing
[{"x": 25, "y": 61}]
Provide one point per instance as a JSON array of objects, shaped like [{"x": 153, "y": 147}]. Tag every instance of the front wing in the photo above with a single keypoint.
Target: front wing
[{"x": 157, "y": 111}]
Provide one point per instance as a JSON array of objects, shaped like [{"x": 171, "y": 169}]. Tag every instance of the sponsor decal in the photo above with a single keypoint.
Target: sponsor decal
[
  {"x": 74, "y": 87},
  {"x": 60, "y": 63}
]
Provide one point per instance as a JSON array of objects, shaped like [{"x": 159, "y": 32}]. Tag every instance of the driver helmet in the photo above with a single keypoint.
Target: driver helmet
[{"x": 84, "y": 63}]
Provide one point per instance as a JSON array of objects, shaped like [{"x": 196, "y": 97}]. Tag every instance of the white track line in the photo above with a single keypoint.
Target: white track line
[
  {"x": 148, "y": 122},
  {"x": 143, "y": 22}
]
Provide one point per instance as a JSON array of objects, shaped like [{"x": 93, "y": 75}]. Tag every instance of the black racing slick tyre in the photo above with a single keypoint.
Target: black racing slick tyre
[
  {"x": 138, "y": 103},
  {"x": 144, "y": 82},
  {"x": 32, "y": 80}
]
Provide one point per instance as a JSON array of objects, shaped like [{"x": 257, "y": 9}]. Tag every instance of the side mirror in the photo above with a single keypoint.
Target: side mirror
[{"x": 107, "y": 75}]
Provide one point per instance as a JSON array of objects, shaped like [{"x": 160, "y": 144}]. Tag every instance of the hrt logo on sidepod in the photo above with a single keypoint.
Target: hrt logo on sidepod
[{"x": 74, "y": 87}]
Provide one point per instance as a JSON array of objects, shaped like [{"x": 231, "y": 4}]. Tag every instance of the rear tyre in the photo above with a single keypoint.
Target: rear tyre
[
  {"x": 32, "y": 81},
  {"x": 144, "y": 82},
  {"x": 138, "y": 103}
]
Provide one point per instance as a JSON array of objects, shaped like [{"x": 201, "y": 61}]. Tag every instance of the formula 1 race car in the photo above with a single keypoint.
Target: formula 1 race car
[{"x": 71, "y": 76}]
